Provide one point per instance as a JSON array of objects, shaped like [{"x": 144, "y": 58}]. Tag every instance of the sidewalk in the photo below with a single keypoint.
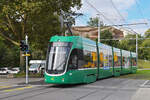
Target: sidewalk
[
  {"x": 21, "y": 81},
  {"x": 144, "y": 69}
]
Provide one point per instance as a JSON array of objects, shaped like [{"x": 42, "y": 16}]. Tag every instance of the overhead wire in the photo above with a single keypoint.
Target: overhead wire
[
  {"x": 114, "y": 6},
  {"x": 99, "y": 12},
  {"x": 125, "y": 39},
  {"x": 106, "y": 17},
  {"x": 80, "y": 16},
  {"x": 117, "y": 10}
]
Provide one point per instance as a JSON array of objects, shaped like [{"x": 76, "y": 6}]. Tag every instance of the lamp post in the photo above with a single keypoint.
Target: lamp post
[
  {"x": 137, "y": 48},
  {"x": 26, "y": 37}
]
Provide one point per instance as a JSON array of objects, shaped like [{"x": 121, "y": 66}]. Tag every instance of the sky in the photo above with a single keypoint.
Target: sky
[{"x": 114, "y": 12}]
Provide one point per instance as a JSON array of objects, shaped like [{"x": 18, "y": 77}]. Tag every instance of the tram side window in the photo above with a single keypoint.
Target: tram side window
[
  {"x": 81, "y": 61},
  {"x": 110, "y": 60},
  {"x": 87, "y": 59},
  {"x": 117, "y": 61},
  {"x": 134, "y": 62},
  {"x": 101, "y": 59},
  {"x": 126, "y": 62},
  {"x": 123, "y": 61},
  {"x": 105, "y": 59},
  {"x": 73, "y": 60},
  {"x": 94, "y": 60}
]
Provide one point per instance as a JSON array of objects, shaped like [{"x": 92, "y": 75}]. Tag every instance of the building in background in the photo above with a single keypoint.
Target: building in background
[{"x": 92, "y": 32}]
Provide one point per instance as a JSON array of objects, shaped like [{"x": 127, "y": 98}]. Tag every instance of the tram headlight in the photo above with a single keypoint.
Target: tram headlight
[{"x": 52, "y": 78}]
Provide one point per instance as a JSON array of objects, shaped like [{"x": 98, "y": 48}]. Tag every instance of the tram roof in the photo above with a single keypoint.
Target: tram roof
[
  {"x": 79, "y": 40},
  {"x": 75, "y": 39}
]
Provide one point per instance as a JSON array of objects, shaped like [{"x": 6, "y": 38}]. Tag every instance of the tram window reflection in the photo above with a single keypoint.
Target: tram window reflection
[{"x": 73, "y": 61}]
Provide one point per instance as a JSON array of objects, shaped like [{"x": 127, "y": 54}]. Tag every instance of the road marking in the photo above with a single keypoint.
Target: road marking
[
  {"x": 16, "y": 89},
  {"x": 2, "y": 87},
  {"x": 144, "y": 83},
  {"x": 3, "y": 81}
]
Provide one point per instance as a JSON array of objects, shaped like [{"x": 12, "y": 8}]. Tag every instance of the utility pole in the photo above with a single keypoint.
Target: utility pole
[
  {"x": 136, "y": 48},
  {"x": 24, "y": 47},
  {"x": 26, "y": 37},
  {"x": 99, "y": 28}
]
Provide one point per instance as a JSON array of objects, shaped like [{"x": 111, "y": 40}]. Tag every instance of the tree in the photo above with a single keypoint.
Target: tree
[
  {"x": 106, "y": 34},
  {"x": 94, "y": 22},
  {"x": 3, "y": 52},
  {"x": 129, "y": 43},
  {"x": 36, "y": 18},
  {"x": 8, "y": 54},
  {"x": 144, "y": 51},
  {"x": 147, "y": 33}
]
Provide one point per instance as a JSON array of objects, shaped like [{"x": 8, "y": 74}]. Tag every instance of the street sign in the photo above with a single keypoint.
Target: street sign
[{"x": 26, "y": 54}]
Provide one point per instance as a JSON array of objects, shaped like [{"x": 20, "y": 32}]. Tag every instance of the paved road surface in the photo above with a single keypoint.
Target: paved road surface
[{"x": 106, "y": 89}]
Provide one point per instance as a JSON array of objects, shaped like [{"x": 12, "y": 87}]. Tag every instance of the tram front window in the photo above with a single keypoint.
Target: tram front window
[{"x": 57, "y": 57}]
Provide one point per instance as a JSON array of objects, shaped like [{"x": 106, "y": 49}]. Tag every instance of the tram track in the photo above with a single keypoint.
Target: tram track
[
  {"x": 103, "y": 90},
  {"x": 29, "y": 92},
  {"x": 45, "y": 92},
  {"x": 87, "y": 95},
  {"x": 35, "y": 92}
]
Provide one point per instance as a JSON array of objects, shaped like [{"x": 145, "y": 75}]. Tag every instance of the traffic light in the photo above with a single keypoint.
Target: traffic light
[
  {"x": 23, "y": 46},
  {"x": 22, "y": 43}
]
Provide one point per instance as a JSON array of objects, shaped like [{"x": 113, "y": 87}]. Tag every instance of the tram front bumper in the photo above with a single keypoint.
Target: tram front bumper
[{"x": 56, "y": 79}]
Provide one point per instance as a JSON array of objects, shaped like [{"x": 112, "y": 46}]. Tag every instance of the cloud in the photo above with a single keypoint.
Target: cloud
[
  {"x": 106, "y": 7},
  {"x": 124, "y": 4}
]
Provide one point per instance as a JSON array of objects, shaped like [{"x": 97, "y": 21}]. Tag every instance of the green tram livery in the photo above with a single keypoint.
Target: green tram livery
[{"x": 74, "y": 59}]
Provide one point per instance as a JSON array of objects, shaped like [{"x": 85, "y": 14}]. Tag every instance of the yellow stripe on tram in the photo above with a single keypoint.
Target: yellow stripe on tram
[{"x": 16, "y": 89}]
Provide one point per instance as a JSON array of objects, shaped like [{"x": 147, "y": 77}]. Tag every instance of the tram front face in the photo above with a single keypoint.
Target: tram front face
[{"x": 57, "y": 57}]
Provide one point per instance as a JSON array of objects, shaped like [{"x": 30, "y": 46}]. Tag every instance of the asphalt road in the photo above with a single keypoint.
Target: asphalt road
[{"x": 105, "y": 89}]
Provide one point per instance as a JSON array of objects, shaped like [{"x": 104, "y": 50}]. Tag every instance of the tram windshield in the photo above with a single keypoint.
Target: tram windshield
[{"x": 57, "y": 57}]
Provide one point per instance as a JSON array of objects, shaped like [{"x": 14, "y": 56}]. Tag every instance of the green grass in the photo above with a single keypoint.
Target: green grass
[
  {"x": 140, "y": 74},
  {"x": 143, "y": 64}
]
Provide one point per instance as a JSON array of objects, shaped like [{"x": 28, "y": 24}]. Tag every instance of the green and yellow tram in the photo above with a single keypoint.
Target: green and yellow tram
[{"x": 74, "y": 59}]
